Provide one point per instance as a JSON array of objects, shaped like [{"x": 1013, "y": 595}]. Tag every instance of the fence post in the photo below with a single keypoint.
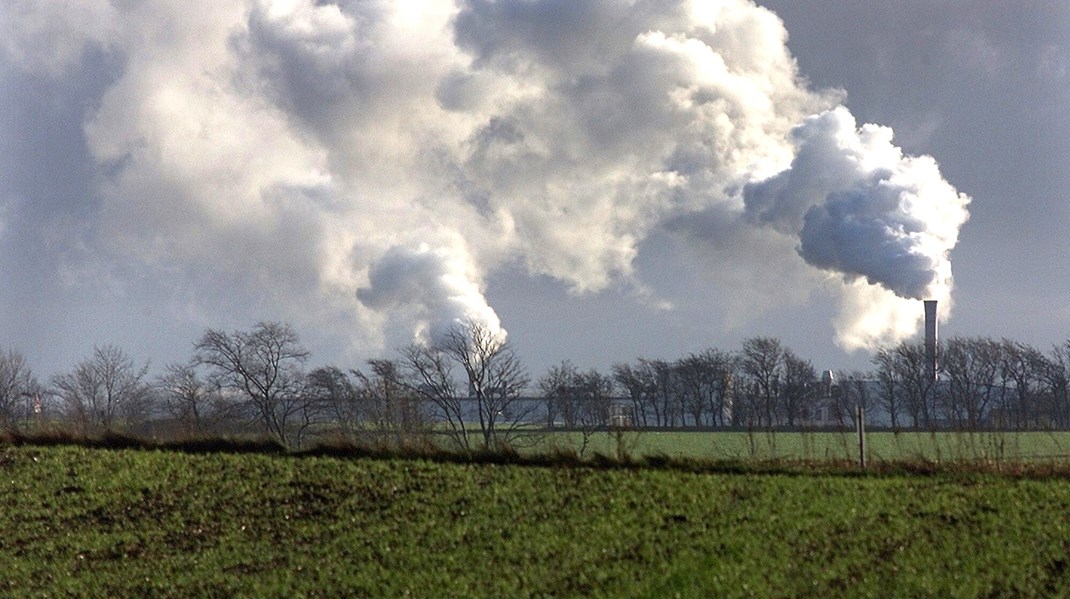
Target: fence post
[{"x": 860, "y": 419}]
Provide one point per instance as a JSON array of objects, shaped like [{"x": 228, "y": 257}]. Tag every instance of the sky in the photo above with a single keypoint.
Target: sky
[{"x": 598, "y": 181}]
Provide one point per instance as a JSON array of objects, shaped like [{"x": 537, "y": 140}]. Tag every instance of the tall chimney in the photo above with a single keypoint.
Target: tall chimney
[{"x": 930, "y": 337}]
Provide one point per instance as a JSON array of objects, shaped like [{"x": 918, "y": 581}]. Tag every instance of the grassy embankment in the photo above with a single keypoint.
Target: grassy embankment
[
  {"x": 940, "y": 446},
  {"x": 125, "y": 522}
]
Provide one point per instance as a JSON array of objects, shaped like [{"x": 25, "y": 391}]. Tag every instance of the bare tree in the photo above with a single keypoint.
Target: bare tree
[
  {"x": 1057, "y": 380},
  {"x": 491, "y": 370},
  {"x": 691, "y": 386},
  {"x": 703, "y": 382},
  {"x": 378, "y": 403},
  {"x": 670, "y": 408},
  {"x": 18, "y": 389},
  {"x": 653, "y": 389},
  {"x": 640, "y": 383},
  {"x": 798, "y": 391},
  {"x": 1023, "y": 371},
  {"x": 429, "y": 374},
  {"x": 762, "y": 362},
  {"x": 845, "y": 397},
  {"x": 888, "y": 384},
  {"x": 1003, "y": 384},
  {"x": 265, "y": 366},
  {"x": 334, "y": 390},
  {"x": 104, "y": 392},
  {"x": 911, "y": 368},
  {"x": 195, "y": 401},
  {"x": 389, "y": 404},
  {"x": 972, "y": 367},
  {"x": 580, "y": 399},
  {"x": 720, "y": 372},
  {"x": 555, "y": 387}
]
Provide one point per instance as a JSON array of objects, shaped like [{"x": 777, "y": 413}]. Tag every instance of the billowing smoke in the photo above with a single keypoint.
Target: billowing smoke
[
  {"x": 361, "y": 165},
  {"x": 862, "y": 209},
  {"x": 431, "y": 287}
]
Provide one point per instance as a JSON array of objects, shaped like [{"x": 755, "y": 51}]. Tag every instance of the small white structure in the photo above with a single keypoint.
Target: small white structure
[{"x": 621, "y": 415}]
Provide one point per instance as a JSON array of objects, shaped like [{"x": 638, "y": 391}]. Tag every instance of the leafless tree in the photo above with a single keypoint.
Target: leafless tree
[
  {"x": 972, "y": 369},
  {"x": 265, "y": 366},
  {"x": 492, "y": 374},
  {"x": 18, "y": 390},
  {"x": 336, "y": 391},
  {"x": 910, "y": 367},
  {"x": 703, "y": 382},
  {"x": 670, "y": 409},
  {"x": 1057, "y": 378},
  {"x": 1022, "y": 371},
  {"x": 888, "y": 384},
  {"x": 640, "y": 384},
  {"x": 389, "y": 404},
  {"x": 104, "y": 392},
  {"x": 692, "y": 389},
  {"x": 762, "y": 363},
  {"x": 850, "y": 393},
  {"x": 429, "y": 374},
  {"x": 197, "y": 402},
  {"x": 799, "y": 388},
  {"x": 554, "y": 387},
  {"x": 983, "y": 383},
  {"x": 580, "y": 399},
  {"x": 377, "y": 403},
  {"x": 652, "y": 387},
  {"x": 721, "y": 371}
]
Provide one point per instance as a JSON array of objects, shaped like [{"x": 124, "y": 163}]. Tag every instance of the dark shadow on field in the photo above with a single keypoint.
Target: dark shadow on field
[{"x": 559, "y": 458}]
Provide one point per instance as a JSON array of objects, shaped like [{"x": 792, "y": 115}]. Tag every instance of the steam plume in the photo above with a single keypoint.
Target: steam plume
[
  {"x": 310, "y": 155},
  {"x": 433, "y": 286},
  {"x": 863, "y": 209}
]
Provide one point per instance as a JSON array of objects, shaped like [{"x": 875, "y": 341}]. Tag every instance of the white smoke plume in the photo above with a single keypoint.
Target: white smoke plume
[
  {"x": 862, "y": 209},
  {"x": 432, "y": 287},
  {"x": 360, "y": 165}
]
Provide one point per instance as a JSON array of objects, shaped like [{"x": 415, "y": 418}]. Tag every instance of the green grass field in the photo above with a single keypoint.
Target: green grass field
[
  {"x": 79, "y": 522},
  {"x": 880, "y": 446}
]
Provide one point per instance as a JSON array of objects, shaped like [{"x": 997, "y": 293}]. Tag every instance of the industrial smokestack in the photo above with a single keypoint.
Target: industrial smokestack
[{"x": 930, "y": 337}]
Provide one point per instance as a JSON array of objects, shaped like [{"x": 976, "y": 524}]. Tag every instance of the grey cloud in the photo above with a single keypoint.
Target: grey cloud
[
  {"x": 567, "y": 37},
  {"x": 312, "y": 72},
  {"x": 48, "y": 197},
  {"x": 819, "y": 167},
  {"x": 860, "y": 233},
  {"x": 458, "y": 91}
]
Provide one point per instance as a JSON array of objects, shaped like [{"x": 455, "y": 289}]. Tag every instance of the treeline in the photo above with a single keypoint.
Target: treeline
[
  {"x": 466, "y": 388},
  {"x": 979, "y": 384},
  {"x": 471, "y": 389},
  {"x": 982, "y": 384}
]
